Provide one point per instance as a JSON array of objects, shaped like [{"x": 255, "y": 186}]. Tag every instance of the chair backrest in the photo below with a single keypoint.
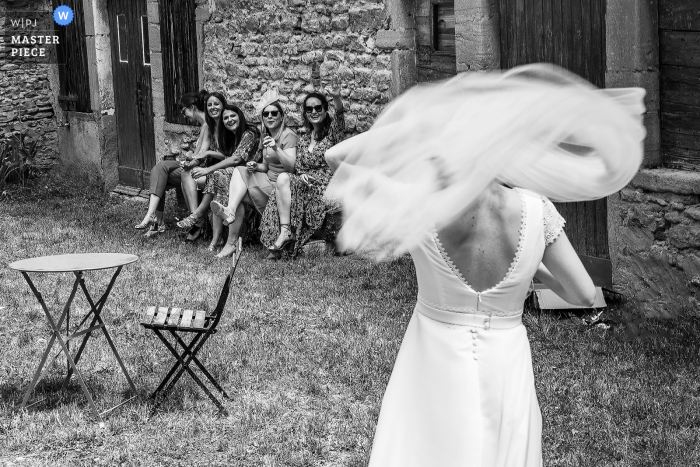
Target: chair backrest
[{"x": 226, "y": 289}]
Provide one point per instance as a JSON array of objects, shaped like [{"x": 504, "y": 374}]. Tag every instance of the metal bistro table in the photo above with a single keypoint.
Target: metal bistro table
[{"x": 77, "y": 264}]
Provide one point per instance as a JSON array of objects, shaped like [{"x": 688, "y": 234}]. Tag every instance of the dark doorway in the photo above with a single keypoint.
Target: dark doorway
[
  {"x": 571, "y": 34},
  {"x": 131, "y": 69}
]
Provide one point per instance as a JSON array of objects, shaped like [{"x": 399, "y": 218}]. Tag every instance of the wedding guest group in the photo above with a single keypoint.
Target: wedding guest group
[{"x": 239, "y": 167}]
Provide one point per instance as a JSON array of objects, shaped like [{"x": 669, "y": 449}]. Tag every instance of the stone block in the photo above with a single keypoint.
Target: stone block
[
  {"x": 395, "y": 39},
  {"x": 403, "y": 71},
  {"x": 310, "y": 24},
  {"x": 674, "y": 217},
  {"x": 693, "y": 212},
  {"x": 345, "y": 73},
  {"x": 632, "y": 196},
  {"x": 362, "y": 75},
  {"x": 668, "y": 180},
  {"x": 201, "y": 13},
  {"x": 477, "y": 36},
  {"x": 154, "y": 13},
  {"x": 684, "y": 236},
  {"x": 156, "y": 66},
  {"x": 328, "y": 68},
  {"x": 366, "y": 18},
  {"x": 154, "y": 38},
  {"x": 631, "y": 35},
  {"x": 340, "y": 22}
]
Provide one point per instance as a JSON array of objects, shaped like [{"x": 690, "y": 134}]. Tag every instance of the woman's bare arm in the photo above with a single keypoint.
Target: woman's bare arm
[{"x": 562, "y": 271}]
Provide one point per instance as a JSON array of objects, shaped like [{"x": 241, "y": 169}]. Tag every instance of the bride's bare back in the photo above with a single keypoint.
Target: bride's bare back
[{"x": 483, "y": 241}]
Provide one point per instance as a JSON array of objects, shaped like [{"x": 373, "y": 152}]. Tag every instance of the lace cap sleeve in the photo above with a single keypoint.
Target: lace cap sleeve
[{"x": 553, "y": 222}]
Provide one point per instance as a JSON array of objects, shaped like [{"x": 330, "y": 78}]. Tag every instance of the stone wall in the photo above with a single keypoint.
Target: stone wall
[
  {"x": 296, "y": 46},
  {"x": 26, "y": 93},
  {"x": 658, "y": 262}
]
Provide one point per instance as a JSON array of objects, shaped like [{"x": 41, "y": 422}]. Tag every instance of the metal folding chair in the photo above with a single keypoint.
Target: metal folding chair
[{"x": 199, "y": 324}]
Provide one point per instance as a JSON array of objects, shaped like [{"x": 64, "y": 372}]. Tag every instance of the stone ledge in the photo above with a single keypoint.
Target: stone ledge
[
  {"x": 395, "y": 39},
  {"x": 681, "y": 182},
  {"x": 179, "y": 128}
]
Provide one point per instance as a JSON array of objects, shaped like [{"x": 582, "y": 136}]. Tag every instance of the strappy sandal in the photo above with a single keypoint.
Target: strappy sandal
[
  {"x": 287, "y": 241},
  {"x": 224, "y": 253},
  {"x": 188, "y": 222},
  {"x": 155, "y": 230},
  {"x": 213, "y": 246},
  {"x": 224, "y": 212},
  {"x": 147, "y": 223}
]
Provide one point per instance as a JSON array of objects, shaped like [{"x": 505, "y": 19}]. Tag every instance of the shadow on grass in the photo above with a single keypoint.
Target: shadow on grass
[{"x": 51, "y": 394}]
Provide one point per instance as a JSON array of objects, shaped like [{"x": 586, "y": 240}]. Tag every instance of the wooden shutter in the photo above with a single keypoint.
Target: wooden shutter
[
  {"x": 178, "y": 36},
  {"x": 71, "y": 56},
  {"x": 679, "y": 57}
]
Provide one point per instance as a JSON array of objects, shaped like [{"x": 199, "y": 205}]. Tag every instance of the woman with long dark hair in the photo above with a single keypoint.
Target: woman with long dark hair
[
  {"x": 209, "y": 154},
  {"x": 239, "y": 144},
  {"x": 297, "y": 208},
  {"x": 168, "y": 173}
]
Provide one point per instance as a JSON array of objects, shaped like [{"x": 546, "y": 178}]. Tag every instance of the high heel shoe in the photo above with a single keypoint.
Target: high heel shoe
[
  {"x": 147, "y": 223},
  {"x": 188, "y": 222},
  {"x": 214, "y": 245},
  {"x": 224, "y": 212},
  {"x": 290, "y": 238},
  {"x": 228, "y": 251}
]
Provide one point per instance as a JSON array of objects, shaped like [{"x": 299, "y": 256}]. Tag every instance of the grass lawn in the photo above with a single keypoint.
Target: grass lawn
[{"x": 305, "y": 350}]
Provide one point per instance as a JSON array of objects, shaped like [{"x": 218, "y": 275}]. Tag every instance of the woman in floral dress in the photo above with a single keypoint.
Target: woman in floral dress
[
  {"x": 298, "y": 207},
  {"x": 240, "y": 142}
]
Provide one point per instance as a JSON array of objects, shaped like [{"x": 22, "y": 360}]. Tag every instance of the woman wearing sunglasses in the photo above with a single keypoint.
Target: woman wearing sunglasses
[
  {"x": 297, "y": 207},
  {"x": 239, "y": 143},
  {"x": 254, "y": 183},
  {"x": 168, "y": 173}
]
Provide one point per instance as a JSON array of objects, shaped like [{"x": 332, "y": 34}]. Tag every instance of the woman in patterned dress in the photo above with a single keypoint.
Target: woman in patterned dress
[
  {"x": 240, "y": 143},
  {"x": 297, "y": 208}
]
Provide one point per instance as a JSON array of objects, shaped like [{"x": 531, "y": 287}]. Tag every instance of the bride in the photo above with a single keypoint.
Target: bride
[{"x": 462, "y": 390}]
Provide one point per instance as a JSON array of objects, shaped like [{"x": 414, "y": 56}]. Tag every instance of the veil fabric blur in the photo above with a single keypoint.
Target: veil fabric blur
[{"x": 434, "y": 149}]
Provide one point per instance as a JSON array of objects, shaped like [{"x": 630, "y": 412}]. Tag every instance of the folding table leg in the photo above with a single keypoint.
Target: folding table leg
[
  {"x": 57, "y": 334},
  {"x": 39, "y": 374},
  {"x": 190, "y": 372},
  {"x": 96, "y": 308}
]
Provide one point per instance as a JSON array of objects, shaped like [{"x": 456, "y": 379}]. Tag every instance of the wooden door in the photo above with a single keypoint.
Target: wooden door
[
  {"x": 131, "y": 70},
  {"x": 679, "y": 57},
  {"x": 571, "y": 34}
]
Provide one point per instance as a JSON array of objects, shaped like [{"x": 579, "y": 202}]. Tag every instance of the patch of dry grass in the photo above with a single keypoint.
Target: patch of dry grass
[{"x": 305, "y": 351}]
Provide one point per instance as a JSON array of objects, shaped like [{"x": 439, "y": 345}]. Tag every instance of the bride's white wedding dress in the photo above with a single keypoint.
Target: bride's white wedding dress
[{"x": 462, "y": 391}]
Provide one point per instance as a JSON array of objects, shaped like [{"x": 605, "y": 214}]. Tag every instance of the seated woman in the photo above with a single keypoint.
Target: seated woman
[
  {"x": 208, "y": 154},
  {"x": 167, "y": 173},
  {"x": 254, "y": 183},
  {"x": 297, "y": 207},
  {"x": 240, "y": 142}
]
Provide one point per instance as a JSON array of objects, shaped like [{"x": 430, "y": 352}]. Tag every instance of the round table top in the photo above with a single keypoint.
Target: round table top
[{"x": 75, "y": 262}]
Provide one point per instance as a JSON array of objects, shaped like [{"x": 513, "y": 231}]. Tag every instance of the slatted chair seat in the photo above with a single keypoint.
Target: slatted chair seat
[
  {"x": 163, "y": 317},
  {"x": 199, "y": 325}
]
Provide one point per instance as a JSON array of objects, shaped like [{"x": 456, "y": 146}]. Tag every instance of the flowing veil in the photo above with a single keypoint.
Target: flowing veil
[{"x": 434, "y": 149}]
